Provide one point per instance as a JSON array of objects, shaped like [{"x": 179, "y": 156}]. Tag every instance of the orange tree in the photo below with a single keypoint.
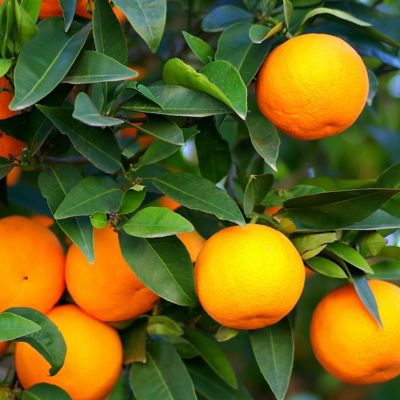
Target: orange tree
[{"x": 210, "y": 170}]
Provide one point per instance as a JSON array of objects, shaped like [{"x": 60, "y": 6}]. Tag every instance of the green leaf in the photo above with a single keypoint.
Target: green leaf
[
  {"x": 273, "y": 348},
  {"x": 44, "y": 61},
  {"x": 160, "y": 325},
  {"x": 162, "y": 128},
  {"x": 32, "y": 8},
  {"x": 326, "y": 267},
  {"x": 164, "y": 376},
  {"x": 90, "y": 195},
  {"x": 264, "y": 138},
  {"x": 200, "y": 194},
  {"x": 13, "y": 326},
  {"x": 147, "y": 18},
  {"x": 87, "y": 112},
  {"x": 390, "y": 177},
  {"x": 235, "y": 46},
  {"x": 178, "y": 101},
  {"x": 350, "y": 255},
  {"x": 373, "y": 87},
  {"x": 45, "y": 391},
  {"x": 333, "y": 210},
  {"x": 379, "y": 220},
  {"x": 212, "y": 354},
  {"x": 134, "y": 342},
  {"x": 387, "y": 269},
  {"x": 5, "y": 167},
  {"x": 5, "y": 65},
  {"x": 97, "y": 145},
  {"x": 309, "y": 245},
  {"x": 131, "y": 200},
  {"x": 224, "y": 333},
  {"x": 163, "y": 265},
  {"x": 213, "y": 152},
  {"x": 26, "y": 27},
  {"x": 157, "y": 151},
  {"x": 152, "y": 222},
  {"x": 99, "y": 220},
  {"x": 48, "y": 341},
  {"x": 260, "y": 33},
  {"x": 201, "y": 49},
  {"x": 93, "y": 67},
  {"x": 68, "y": 9},
  {"x": 336, "y": 13},
  {"x": 108, "y": 35},
  {"x": 256, "y": 189},
  {"x": 54, "y": 184},
  {"x": 224, "y": 16},
  {"x": 287, "y": 11},
  {"x": 366, "y": 296},
  {"x": 371, "y": 243},
  {"x": 121, "y": 390},
  {"x": 212, "y": 80}
]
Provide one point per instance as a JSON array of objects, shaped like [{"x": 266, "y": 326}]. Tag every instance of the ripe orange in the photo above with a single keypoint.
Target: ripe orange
[
  {"x": 272, "y": 210},
  {"x": 249, "y": 277},
  {"x": 11, "y": 146},
  {"x": 348, "y": 342},
  {"x": 107, "y": 289},
  {"x": 167, "y": 202},
  {"x": 193, "y": 242},
  {"x": 312, "y": 86},
  {"x": 44, "y": 220},
  {"x": 32, "y": 265},
  {"x": 5, "y": 99},
  {"x": 82, "y": 10},
  {"x": 92, "y": 363},
  {"x": 3, "y": 347}
]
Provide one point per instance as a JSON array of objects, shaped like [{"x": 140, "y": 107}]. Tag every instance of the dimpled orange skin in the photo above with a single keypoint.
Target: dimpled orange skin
[
  {"x": 10, "y": 145},
  {"x": 193, "y": 242},
  {"x": 349, "y": 343},
  {"x": 82, "y": 10},
  {"x": 32, "y": 265},
  {"x": 312, "y": 86},
  {"x": 93, "y": 361},
  {"x": 108, "y": 289},
  {"x": 5, "y": 99},
  {"x": 249, "y": 277}
]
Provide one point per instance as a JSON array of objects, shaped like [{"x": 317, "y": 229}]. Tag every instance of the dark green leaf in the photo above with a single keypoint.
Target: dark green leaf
[
  {"x": 200, "y": 194},
  {"x": 157, "y": 151},
  {"x": 336, "y": 13},
  {"x": 387, "y": 269},
  {"x": 379, "y": 220},
  {"x": 260, "y": 33},
  {"x": 287, "y": 11},
  {"x": 326, "y": 267},
  {"x": 55, "y": 183},
  {"x": 48, "y": 341},
  {"x": 201, "y": 49},
  {"x": 97, "y": 145},
  {"x": 13, "y": 326},
  {"x": 147, "y": 18},
  {"x": 164, "y": 376},
  {"x": 332, "y": 210},
  {"x": 134, "y": 342},
  {"x": 90, "y": 195},
  {"x": 310, "y": 245},
  {"x": 121, "y": 390},
  {"x": 163, "y": 265},
  {"x": 68, "y": 10},
  {"x": 179, "y": 101},
  {"x": 132, "y": 200},
  {"x": 45, "y": 391},
  {"x": 256, "y": 189},
  {"x": 373, "y": 88},
  {"x": 43, "y": 63},
  {"x": 87, "y": 112},
  {"x": 273, "y": 348},
  {"x": 212, "y": 354},
  {"x": 371, "y": 243},
  {"x": 5, "y": 167},
  {"x": 164, "y": 129},
  {"x": 223, "y": 16}
]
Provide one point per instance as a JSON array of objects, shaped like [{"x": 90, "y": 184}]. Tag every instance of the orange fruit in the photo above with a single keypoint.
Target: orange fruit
[
  {"x": 3, "y": 347},
  {"x": 5, "y": 99},
  {"x": 347, "y": 340},
  {"x": 107, "y": 289},
  {"x": 193, "y": 242},
  {"x": 11, "y": 146},
  {"x": 312, "y": 86},
  {"x": 93, "y": 361},
  {"x": 272, "y": 210},
  {"x": 248, "y": 277},
  {"x": 32, "y": 265},
  {"x": 44, "y": 220},
  {"x": 167, "y": 202},
  {"x": 82, "y": 10}
]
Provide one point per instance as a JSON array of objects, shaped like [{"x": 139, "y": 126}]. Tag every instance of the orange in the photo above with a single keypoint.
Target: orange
[
  {"x": 92, "y": 363},
  {"x": 82, "y": 10},
  {"x": 272, "y": 210},
  {"x": 10, "y": 146},
  {"x": 349, "y": 343},
  {"x": 312, "y": 86},
  {"x": 193, "y": 242},
  {"x": 5, "y": 99},
  {"x": 44, "y": 220},
  {"x": 107, "y": 289},
  {"x": 32, "y": 265},
  {"x": 167, "y": 202},
  {"x": 248, "y": 277},
  {"x": 3, "y": 347}
]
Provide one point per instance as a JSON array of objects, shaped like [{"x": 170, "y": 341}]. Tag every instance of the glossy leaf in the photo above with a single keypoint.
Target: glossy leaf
[
  {"x": 43, "y": 64},
  {"x": 157, "y": 151},
  {"x": 165, "y": 375},
  {"x": 90, "y": 195},
  {"x": 13, "y": 326},
  {"x": 68, "y": 9},
  {"x": 97, "y": 145},
  {"x": 134, "y": 342},
  {"x": 147, "y": 18},
  {"x": 164, "y": 129},
  {"x": 212, "y": 354},
  {"x": 163, "y": 265},
  {"x": 336, "y": 13},
  {"x": 160, "y": 325},
  {"x": 273, "y": 348},
  {"x": 93, "y": 67},
  {"x": 201, "y": 49},
  {"x": 45, "y": 391},
  {"x": 48, "y": 341},
  {"x": 200, "y": 194},
  {"x": 5, "y": 65},
  {"x": 310, "y": 245},
  {"x": 260, "y": 33},
  {"x": 325, "y": 266},
  {"x": 223, "y": 16},
  {"x": 87, "y": 112},
  {"x": 131, "y": 200},
  {"x": 256, "y": 189},
  {"x": 54, "y": 184}
]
